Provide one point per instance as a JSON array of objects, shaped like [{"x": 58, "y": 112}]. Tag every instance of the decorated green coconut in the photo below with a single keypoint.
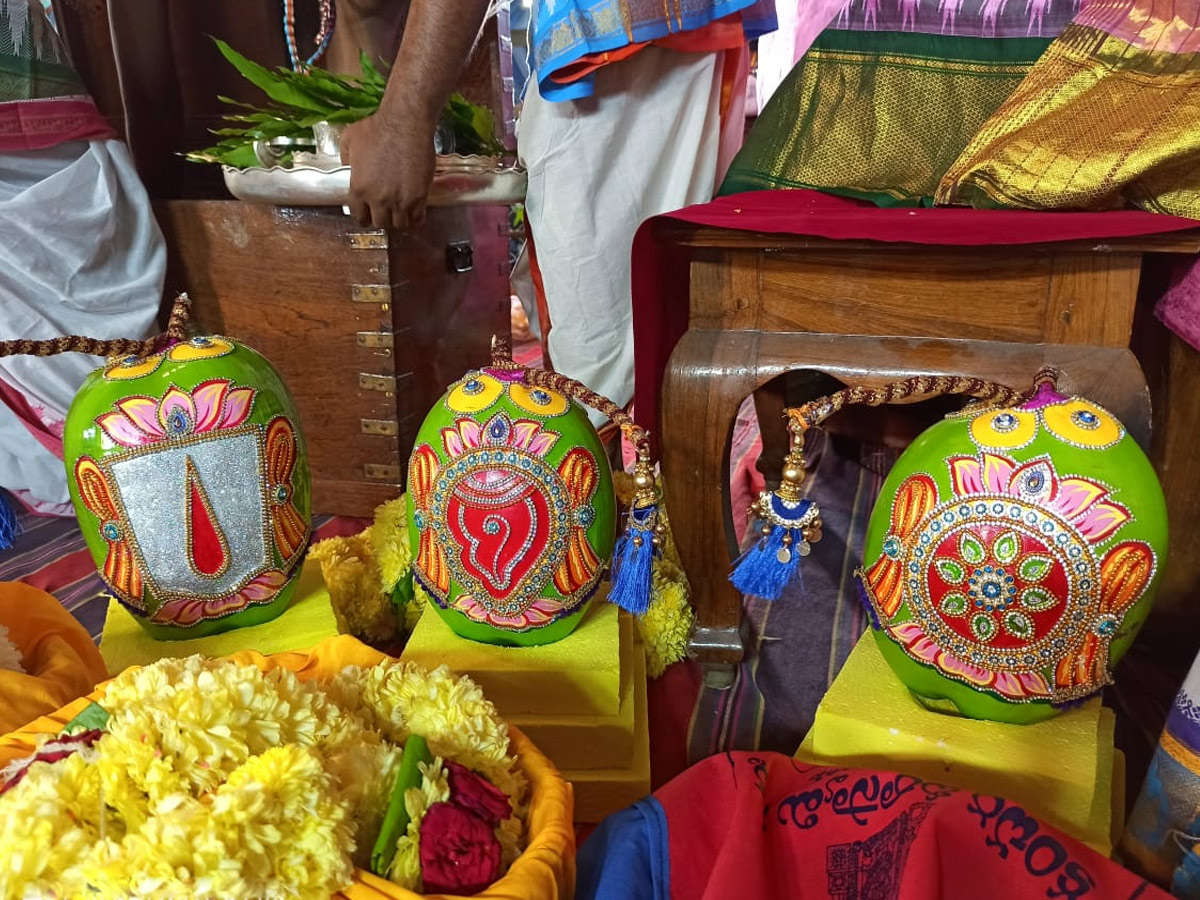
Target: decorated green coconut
[
  {"x": 1012, "y": 556},
  {"x": 511, "y": 509},
  {"x": 188, "y": 474}
]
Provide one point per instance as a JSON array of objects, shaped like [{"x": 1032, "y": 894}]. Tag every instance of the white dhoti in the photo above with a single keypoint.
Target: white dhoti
[
  {"x": 646, "y": 143},
  {"x": 80, "y": 253}
]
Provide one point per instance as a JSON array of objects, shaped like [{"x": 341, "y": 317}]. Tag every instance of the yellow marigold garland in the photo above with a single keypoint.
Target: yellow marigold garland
[{"x": 217, "y": 780}]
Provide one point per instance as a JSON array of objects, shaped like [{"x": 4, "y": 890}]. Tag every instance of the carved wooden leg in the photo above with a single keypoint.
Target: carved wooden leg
[{"x": 709, "y": 375}]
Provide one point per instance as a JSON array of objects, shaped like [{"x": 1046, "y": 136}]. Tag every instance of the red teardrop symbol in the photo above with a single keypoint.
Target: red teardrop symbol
[{"x": 208, "y": 552}]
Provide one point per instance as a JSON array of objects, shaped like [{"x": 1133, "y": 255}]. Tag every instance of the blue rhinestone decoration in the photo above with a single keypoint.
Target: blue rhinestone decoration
[{"x": 1005, "y": 422}]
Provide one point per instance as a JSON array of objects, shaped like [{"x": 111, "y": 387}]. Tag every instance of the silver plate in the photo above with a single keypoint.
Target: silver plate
[{"x": 458, "y": 181}]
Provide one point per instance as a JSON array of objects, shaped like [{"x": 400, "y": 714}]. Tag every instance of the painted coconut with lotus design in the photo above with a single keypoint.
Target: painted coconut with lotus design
[
  {"x": 188, "y": 474},
  {"x": 511, "y": 509},
  {"x": 1013, "y": 555}
]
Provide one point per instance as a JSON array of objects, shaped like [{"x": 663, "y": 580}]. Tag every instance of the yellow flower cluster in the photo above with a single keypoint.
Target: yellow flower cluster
[
  {"x": 352, "y": 576},
  {"x": 217, "y": 780}
]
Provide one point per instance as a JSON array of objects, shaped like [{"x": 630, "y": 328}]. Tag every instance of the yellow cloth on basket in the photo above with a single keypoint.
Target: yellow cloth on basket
[
  {"x": 545, "y": 871},
  {"x": 57, "y": 654}
]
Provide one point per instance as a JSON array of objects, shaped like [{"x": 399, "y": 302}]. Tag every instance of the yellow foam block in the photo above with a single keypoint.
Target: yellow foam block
[
  {"x": 1062, "y": 770},
  {"x": 579, "y": 675},
  {"x": 593, "y": 742},
  {"x": 601, "y": 792},
  {"x": 307, "y": 621}
]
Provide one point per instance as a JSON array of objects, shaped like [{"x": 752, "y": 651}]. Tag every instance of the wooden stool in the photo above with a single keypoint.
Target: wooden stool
[{"x": 867, "y": 312}]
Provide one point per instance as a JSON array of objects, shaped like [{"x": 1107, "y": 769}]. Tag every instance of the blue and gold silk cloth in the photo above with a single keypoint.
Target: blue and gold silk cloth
[{"x": 564, "y": 31}]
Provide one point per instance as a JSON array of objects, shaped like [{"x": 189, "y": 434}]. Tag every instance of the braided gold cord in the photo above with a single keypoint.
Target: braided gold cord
[
  {"x": 801, "y": 418},
  {"x": 502, "y": 359},
  {"x": 176, "y": 331}
]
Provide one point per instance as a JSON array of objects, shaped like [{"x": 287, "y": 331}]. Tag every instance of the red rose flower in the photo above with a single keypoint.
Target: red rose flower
[
  {"x": 459, "y": 851},
  {"x": 476, "y": 794}
]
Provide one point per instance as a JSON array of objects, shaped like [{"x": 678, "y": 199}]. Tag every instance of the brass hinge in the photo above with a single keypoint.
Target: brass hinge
[
  {"x": 377, "y": 340},
  {"x": 368, "y": 240},
  {"x": 371, "y": 293},
  {"x": 383, "y": 383},
  {"x": 387, "y": 427},
  {"x": 377, "y": 472}
]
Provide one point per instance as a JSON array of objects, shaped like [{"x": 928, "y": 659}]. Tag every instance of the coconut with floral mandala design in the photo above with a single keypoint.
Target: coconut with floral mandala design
[
  {"x": 189, "y": 477},
  {"x": 1013, "y": 553}
]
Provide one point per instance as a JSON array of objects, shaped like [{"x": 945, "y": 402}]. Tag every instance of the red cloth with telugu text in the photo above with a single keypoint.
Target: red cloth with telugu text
[
  {"x": 660, "y": 272},
  {"x": 761, "y": 826}
]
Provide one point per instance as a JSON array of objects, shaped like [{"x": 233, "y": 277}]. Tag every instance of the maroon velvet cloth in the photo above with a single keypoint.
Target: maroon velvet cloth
[{"x": 660, "y": 273}]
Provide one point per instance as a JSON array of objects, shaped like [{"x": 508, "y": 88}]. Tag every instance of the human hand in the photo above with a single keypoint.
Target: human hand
[{"x": 392, "y": 160}]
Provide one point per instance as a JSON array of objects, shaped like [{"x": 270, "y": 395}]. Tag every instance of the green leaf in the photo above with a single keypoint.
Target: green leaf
[
  {"x": 395, "y": 820},
  {"x": 954, "y": 605},
  {"x": 951, "y": 570},
  {"x": 1036, "y": 599},
  {"x": 271, "y": 84},
  {"x": 983, "y": 627},
  {"x": 972, "y": 549},
  {"x": 1018, "y": 624},
  {"x": 1006, "y": 548},
  {"x": 1035, "y": 567},
  {"x": 92, "y": 716}
]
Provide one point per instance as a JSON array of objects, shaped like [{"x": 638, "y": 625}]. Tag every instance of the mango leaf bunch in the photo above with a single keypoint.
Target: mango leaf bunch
[{"x": 301, "y": 99}]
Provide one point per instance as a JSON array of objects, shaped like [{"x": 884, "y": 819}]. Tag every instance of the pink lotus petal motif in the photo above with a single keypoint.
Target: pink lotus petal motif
[
  {"x": 1082, "y": 502},
  {"x": 211, "y": 406},
  {"x": 185, "y": 611},
  {"x": 466, "y": 435},
  {"x": 1013, "y": 685},
  {"x": 540, "y": 612}
]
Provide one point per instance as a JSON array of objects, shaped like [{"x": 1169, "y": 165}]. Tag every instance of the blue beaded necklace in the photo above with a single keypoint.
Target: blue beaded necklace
[{"x": 328, "y": 17}]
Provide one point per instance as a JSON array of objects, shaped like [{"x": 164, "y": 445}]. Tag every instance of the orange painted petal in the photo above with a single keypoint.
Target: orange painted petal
[
  {"x": 281, "y": 451},
  {"x": 432, "y": 562},
  {"x": 1078, "y": 668},
  {"x": 884, "y": 579},
  {"x": 93, "y": 489},
  {"x": 121, "y": 572},
  {"x": 578, "y": 471},
  {"x": 579, "y": 564},
  {"x": 915, "y": 499},
  {"x": 422, "y": 476},
  {"x": 289, "y": 530},
  {"x": 1124, "y": 574}
]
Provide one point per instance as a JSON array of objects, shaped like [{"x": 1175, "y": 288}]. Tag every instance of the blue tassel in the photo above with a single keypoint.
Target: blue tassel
[
  {"x": 10, "y": 525},
  {"x": 632, "y": 559},
  {"x": 773, "y": 561},
  {"x": 759, "y": 572}
]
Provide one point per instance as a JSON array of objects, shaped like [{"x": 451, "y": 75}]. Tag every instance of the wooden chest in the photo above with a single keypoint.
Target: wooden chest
[{"x": 367, "y": 327}]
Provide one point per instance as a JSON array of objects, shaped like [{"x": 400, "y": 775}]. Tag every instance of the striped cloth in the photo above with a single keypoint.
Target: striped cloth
[{"x": 50, "y": 554}]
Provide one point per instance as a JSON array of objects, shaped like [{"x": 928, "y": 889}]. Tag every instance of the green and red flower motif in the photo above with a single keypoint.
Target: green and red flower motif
[{"x": 1001, "y": 585}]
